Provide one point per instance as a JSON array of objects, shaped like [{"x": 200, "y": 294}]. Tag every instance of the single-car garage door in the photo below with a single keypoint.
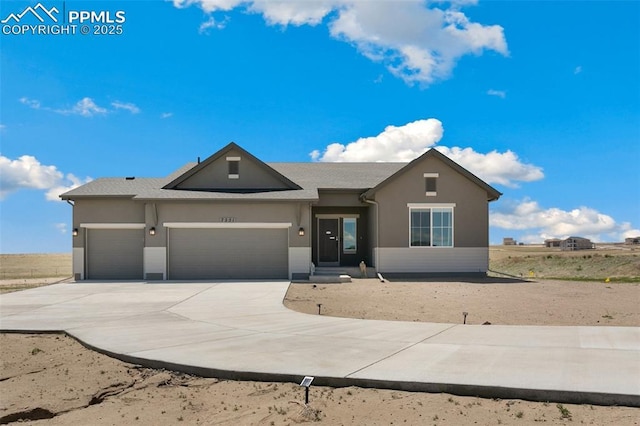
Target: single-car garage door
[
  {"x": 115, "y": 254},
  {"x": 197, "y": 254}
]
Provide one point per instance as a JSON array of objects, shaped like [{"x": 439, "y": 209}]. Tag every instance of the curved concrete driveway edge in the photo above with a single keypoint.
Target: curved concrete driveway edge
[{"x": 241, "y": 331}]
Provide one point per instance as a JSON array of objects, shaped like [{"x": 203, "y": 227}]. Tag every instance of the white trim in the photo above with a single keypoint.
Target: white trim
[
  {"x": 431, "y": 193},
  {"x": 155, "y": 261},
  {"x": 338, "y": 216},
  {"x": 232, "y": 225},
  {"x": 418, "y": 206},
  {"x": 234, "y": 176},
  {"x": 112, "y": 225},
  {"x": 77, "y": 260},
  {"x": 431, "y": 175},
  {"x": 299, "y": 260},
  {"x": 430, "y": 205},
  {"x": 456, "y": 259},
  {"x": 233, "y": 158}
]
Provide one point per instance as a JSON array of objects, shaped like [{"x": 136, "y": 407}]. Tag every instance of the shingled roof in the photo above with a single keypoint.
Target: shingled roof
[
  {"x": 309, "y": 176},
  {"x": 366, "y": 178}
]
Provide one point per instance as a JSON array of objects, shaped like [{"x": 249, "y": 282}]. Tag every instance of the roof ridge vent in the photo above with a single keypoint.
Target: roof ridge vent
[{"x": 130, "y": 177}]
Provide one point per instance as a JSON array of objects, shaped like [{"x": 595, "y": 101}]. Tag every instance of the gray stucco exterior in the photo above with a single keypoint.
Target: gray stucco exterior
[{"x": 285, "y": 202}]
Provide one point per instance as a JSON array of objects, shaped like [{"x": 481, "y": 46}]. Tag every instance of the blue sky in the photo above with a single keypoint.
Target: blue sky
[{"x": 540, "y": 99}]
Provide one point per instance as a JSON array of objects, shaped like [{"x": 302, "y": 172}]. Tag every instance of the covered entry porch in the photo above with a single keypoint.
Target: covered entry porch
[{"x": 340, "y": 237}]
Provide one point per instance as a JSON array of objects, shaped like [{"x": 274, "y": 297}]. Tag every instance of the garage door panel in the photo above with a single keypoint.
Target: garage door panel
[
  {"x": 228, "y": 254},
  {"x": 115, "y": 254}
]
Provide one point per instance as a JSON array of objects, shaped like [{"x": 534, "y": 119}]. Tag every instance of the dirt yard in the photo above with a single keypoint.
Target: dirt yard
[
  {"x": 498, "y": 301},
  {"x": 54, "y": 379}
]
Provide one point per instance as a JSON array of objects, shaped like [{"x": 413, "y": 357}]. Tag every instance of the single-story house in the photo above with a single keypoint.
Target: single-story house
[{"x": 232, "y": 216}]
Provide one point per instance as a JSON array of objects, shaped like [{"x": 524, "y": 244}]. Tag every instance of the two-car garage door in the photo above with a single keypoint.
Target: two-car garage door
[{"x": 224, "y": 253}]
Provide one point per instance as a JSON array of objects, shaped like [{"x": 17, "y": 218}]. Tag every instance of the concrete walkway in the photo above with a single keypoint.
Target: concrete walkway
[{"x": 242, "y": 331}]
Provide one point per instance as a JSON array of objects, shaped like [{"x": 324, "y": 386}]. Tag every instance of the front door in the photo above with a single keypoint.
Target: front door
[{"x": 328, "y": 242}]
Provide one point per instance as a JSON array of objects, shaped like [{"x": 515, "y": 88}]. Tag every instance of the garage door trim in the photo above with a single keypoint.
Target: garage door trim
[
  {"x": 237, "y": 225},
  {"x": 112, "y": 225}
]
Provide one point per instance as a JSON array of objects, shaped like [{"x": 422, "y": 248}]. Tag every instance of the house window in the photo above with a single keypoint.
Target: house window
[
  {"x": 233, "y": 164},
  {"x": 430, "y": 181},
  {"x": 349, "y": 235},
  {"x": 430, "y": 226}
]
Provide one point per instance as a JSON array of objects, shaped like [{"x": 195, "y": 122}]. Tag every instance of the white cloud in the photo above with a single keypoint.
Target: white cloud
[
  {"x": 417, "y": 41},
  {"x": 3, "y": 127},
  {"x": 543, "y": 223},
  {"x": 395, "y": 143},
  {"x": 212, "y": 23},
  {"x": 128, "y": 106},
  {"x": 62, "y": 227},
  {"x": 166, "y": 115},
  {"x": 504, "y": 168},
  {"x": 85, "y": 107},
  {"x": 577, "y": 69},
  {"x": 499, "y": 93},
  {"x": 31, "y": 103},
  {"x": 405, "y": 143},
  {"x": 70, "y": 182},
  {"x": 27, "y": 172}
]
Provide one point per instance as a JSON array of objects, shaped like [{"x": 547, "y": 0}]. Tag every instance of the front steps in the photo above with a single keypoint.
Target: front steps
[{"x": 338, "y": 274}]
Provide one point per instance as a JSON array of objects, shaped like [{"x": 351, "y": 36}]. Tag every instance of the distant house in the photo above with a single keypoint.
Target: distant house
[
  {"x": 576, "y": 243},
  {"x": 232, "y": 216},
  {"x": 552, "y": 242},
  {"x": 508, "y": 241},
  {"x": 632, "y": 241}
]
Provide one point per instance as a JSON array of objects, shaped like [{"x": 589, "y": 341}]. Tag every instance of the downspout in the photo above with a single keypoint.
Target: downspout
[{"x": 377, "y": 252}]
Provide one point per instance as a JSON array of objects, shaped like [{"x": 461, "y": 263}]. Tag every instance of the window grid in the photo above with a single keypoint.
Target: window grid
[{"x": 431, "y": 227}]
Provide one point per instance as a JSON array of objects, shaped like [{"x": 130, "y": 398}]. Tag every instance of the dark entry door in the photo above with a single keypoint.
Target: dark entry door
[{"x": 328, "y": 241}]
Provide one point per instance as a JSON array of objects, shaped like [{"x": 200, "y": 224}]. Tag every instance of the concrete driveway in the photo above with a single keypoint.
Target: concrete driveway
[{"x": 241, "y": 330}]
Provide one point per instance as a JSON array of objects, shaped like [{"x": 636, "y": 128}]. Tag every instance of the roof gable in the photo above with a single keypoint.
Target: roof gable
[
  {"x": 213, "y": 174},
  {"x": 492, "y": 193}
]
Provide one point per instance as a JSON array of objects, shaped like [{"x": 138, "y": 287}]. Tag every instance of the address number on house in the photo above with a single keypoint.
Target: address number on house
[{"x": 227, "y": 219}]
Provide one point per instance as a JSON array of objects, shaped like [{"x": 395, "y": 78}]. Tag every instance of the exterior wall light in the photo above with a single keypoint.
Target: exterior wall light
[
  {"x": 301, "y": 231},
  {"x": 74, "y": 232},
  {"x": 152, "y": 231}
]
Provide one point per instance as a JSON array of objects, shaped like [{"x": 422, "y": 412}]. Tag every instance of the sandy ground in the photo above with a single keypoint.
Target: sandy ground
[
  {"x": 55, "y": 379},
  {"x": 498, "y": 301}
]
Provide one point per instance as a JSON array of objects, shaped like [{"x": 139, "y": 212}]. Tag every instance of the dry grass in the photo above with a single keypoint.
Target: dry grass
[
  {"x": 15, "y": 266},
  {"x": 616, "y": 262}
]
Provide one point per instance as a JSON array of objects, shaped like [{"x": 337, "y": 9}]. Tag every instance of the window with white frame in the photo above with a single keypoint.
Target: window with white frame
[{"x": 430, "y": 225}]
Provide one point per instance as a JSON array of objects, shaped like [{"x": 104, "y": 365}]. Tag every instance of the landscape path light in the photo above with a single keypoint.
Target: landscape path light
[{"x": 306, "y": 383}]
